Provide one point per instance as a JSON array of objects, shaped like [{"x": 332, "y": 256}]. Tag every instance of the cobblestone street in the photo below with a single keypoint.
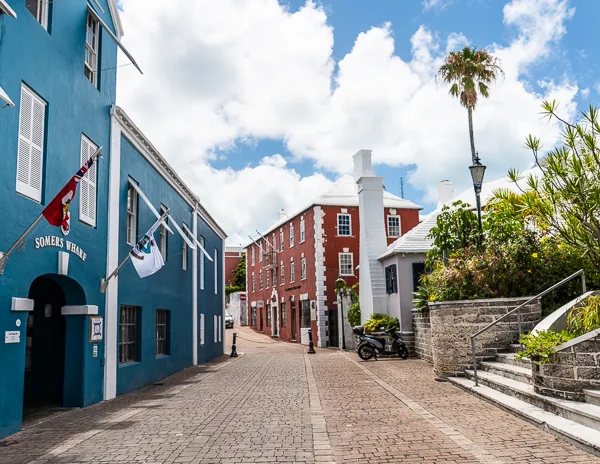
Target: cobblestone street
[{"x": 277, "y": 404}]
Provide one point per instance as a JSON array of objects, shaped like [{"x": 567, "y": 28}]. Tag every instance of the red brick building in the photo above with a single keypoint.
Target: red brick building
[
  {"x": 291, "y": 270},
  {"x": 233, "y": 256}
]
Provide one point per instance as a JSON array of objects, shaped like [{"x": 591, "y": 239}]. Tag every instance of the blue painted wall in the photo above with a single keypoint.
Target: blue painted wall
[
  {"x": 51, "y": 63},
  {"x": 170, "y": 288}
]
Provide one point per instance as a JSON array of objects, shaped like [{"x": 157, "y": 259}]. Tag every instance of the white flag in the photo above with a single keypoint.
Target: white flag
[{"x": 146, "y": 257}]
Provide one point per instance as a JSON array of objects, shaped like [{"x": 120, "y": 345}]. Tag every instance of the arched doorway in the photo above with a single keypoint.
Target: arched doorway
[{"x": 46, "y": 340}]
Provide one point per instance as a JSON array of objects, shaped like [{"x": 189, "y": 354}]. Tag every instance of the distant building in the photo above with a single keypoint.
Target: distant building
[
  {"x": 291, "y": 271},
  {"x": 233, "y": 256}
]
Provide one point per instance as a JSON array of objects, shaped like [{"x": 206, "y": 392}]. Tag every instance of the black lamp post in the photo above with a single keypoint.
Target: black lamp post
[
  {"x": 477, "y": 172},
  {"x": 340, "y": 284}
]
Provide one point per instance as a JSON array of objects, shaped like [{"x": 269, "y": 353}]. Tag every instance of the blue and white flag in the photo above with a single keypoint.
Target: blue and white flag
[{"x": 146, "y": 257}]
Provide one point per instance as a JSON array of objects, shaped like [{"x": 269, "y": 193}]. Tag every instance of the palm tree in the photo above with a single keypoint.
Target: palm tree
[{"x": 470, "y": 71}]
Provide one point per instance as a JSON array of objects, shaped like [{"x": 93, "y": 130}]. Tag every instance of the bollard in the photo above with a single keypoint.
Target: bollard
[
  {"x": 311, "y": 346},
  {"x": 233, "y": 348}
]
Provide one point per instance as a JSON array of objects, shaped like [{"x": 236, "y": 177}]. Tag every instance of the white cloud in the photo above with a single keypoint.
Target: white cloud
[
  {"x": 597, "y": 87},
  {"x": 221, "y": 73},
  {"x": 585, "y": 93},
  {"x": 436, "y": 4}
]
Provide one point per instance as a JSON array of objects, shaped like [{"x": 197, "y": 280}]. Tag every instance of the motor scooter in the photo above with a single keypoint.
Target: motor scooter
[{"x": 371, "y": 346}]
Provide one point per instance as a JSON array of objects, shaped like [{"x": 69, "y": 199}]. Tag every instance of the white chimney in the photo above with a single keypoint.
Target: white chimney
[
  {"x": 445, "y": 192},
  {"x": 373, "y": 244},
  {"x": 281, "y": 215}
]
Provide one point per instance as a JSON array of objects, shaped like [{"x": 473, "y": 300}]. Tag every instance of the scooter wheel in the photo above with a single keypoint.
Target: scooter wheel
[
  {"x": 403, "y": 352},
  {"x": 365, "y": 352}
]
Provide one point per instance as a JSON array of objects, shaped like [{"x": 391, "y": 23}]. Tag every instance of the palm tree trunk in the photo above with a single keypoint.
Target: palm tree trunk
[{"x": 471, "y": 136}]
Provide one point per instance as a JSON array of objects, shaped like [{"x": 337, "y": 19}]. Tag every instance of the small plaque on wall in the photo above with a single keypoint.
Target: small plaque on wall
[{"x": 96, "y": 326}]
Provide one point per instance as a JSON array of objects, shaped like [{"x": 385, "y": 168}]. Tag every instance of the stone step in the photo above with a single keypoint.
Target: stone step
[
  {"x": 580, "y": 435},
  {"x": 592, "y": 396},
  {"x": 509, "y": 358},
  {"x": 583, "y": 413},
  {"x": 519, "y": 373}
]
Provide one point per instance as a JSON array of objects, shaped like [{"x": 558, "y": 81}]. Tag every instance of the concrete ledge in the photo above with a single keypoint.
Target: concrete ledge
[
  {"x": 21, "y": 304},
  {"x": 83, "y": 310}
]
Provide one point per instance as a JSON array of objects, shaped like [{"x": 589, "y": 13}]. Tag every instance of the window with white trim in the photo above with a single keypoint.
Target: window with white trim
[
  {"x": 92, "y": 45},
  {"x": 303, "y": 268},
  {"x": 253, "y": 283},
  {"x": 344, "y": 225},
  {"x": 282, "y": 274},
  {"x": 162, "y": 235},
  {"x": 291, "y": 235},
  {"x": 184, "y": 253},
  {"x": 260, "y": 253},
  {"x": 39, "y": 10},
  {"x": 281, "y": 240},
  {"x": 346, "y": 264},
  {"x": 274, "y": 241},
  {"x": 260, "y": 280},
  {"x": 163, "y": 320},
  {"x": 30, "y": 155},
  {"x": 215, "y": 326},
  {"x": 393, "y": 223},
  {"x": 87, "y": 189},
  {"x": 268, "y": 278},
  {"x": 132, "y": 209},
  {"x": 302, "y": 230},
  {"x": 292, "y": 271},
  {"x": 202, "y": 260},
  {"x": 253, "y": 256},
  {"x": 201, "y": 328},
  {"x": 216, "y": 266},
  {"x": 274, "y": 277}
]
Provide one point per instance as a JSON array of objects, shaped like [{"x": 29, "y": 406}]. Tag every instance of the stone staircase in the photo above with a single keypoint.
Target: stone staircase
[{"x": 508, "y": 383}]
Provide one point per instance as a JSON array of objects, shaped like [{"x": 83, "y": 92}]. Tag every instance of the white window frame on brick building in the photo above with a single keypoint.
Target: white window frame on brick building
[
  {"x": 253, "y": 256},
  {"x": 282, "y": 274},
  {"x": 292, "y": 235},
  {"x": 302, "y": 230},
  {"x": 260, "y": 254},
  {"x": 253, "y": 283},
  {"x": 274, "y": 277},
  {"x": 303, "y": 268},
  {"x": 260, "y": 280},
  {"x": 268, "y": 279},
  {"x": 274, "y": 241},
  {"x": 292, "y": 271},
  {"x": 281, "y": 240},
  {"x": 341, "y": 227},
  {"x": 346, "y": 264},
  {"x": 394, "y": 230}
]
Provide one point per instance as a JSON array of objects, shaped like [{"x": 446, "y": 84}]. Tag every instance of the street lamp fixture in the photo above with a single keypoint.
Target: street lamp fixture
[
  {"x": 340, "y": 285},
  {"x": 5, "y": 100},
  {"x": 477, "y": 173}
]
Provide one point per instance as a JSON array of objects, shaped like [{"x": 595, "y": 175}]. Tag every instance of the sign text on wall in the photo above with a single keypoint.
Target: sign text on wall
[{"x": 59, "y": 242}]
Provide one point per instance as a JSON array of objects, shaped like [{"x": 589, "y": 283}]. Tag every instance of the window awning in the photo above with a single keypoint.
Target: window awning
[
  {"x": 197, "y": 242},
  {"x": 6, "y": 9},
  {"x": 112, "y": 35},
  {"x": 143, "y": 196},
  {"x": 4, "y": 96}
]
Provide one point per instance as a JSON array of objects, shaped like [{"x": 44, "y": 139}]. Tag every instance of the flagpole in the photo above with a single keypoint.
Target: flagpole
[
  {"x": 4, "y": 256},
  {"x": 104, "y": 282},
  {"x": 258, "y": 245},
  {"x": 266, "y": 240},
  {"x": 17, "y": 244}
]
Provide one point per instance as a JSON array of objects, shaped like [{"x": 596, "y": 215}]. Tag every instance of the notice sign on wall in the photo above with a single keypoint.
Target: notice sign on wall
[
  {"x": 96, "y": 329},
  {"x": 12, "y": 337},
  {"x": 59, "y": 242}
]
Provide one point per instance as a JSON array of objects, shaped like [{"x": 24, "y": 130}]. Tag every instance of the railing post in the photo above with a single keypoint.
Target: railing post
[
  {"x": 583, "y": 287},
  {"x": 474, "y": 360},
  {"x": 519, "y": 325}
]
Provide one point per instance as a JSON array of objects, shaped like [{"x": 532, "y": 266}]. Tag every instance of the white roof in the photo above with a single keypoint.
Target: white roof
[
  {"x": 415, "y": 240},
  {"x": 344, "y": 192}
]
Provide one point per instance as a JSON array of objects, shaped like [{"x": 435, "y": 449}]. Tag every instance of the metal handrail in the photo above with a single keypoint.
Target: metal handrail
[{"x": 518, "y": 309}]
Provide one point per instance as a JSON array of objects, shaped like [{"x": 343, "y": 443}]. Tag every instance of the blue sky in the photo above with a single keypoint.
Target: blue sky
[{"x": 270, "y": 100}]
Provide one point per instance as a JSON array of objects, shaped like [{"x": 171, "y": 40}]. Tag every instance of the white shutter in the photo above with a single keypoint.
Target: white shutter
[
  {"x": 216, "y": 328},
  {"x": 30, "y": 157},
  {"x": 202, "y": 329},
  {"x": 87, "y": 193}
]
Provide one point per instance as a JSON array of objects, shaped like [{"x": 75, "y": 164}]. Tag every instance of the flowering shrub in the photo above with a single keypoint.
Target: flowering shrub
[{"x": 377, "y": 321}]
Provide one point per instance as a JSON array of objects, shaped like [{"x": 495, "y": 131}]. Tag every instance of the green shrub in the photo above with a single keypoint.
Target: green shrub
[
  {"x": 540, "y": 346},
  {"x": 587, "y": 318},
  {"x": 377, "y": 321},
  {"x": 354, "y": 315}
]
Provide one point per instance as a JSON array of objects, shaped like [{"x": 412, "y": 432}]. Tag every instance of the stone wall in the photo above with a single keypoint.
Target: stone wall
[
  {"x": 453, "y": 323},
  {"x": 574, "y": 367},
  {"x": 422, "y": 335}
]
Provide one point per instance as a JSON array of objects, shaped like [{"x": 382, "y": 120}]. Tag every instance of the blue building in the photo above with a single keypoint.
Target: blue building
[{"x": 66, "y": 341}]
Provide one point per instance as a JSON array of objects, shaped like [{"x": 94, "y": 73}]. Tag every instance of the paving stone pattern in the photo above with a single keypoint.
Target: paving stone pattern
[{"x": 278, "y": 404}]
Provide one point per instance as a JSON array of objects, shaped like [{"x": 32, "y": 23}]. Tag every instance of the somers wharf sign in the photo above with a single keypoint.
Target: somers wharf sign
[{"x": 59, "y": 242}]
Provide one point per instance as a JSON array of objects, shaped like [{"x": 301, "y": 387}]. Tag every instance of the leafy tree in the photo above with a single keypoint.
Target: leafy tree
[
  {"x": 239, "y": 273},
  {"x": 565, "y": 199},
  {"x": 456, "y": 227},
  {"x": 470, "y": 71}
]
